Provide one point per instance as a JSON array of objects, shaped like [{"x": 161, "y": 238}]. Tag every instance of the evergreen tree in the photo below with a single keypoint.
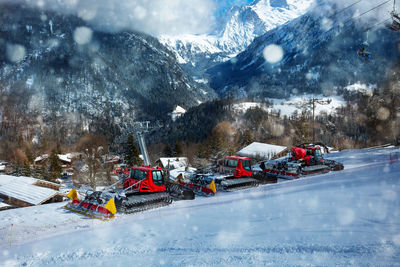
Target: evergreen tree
[
  {"x": 132, "y": 153},
  {"x": 167, "y": 151},
  {"x": 44, "y": 144},
  {"x": 55, "y": 165},
  {"x": 29, "y": 153},
  {"x": 177, "y": 149},
  {"x": 203, "y": 150},
  {"x": 44, "y": 173},
  {"x": 18, "y": 170},
  {"x": 26, "y": 169},
  {"x": 247, "y": 138},
  {"x": 58, "y": 148},
  {"x": 36, "y": 172}
]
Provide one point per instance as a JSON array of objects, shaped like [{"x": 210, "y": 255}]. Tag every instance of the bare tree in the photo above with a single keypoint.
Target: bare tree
[{"x": 92, "y": 146}]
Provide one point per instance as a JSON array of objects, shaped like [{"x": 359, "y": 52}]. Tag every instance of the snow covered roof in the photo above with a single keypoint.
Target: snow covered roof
[
  {"x": 177, "y": 112},
  {"x": 26, "y": 192},
  {"x": 261, "y": 150},
  {"x": 179, "y": 109},
  {"x": 62, "y": 157},
  {"x": 175, "y": 172},
  {"x": 74, "y": 154},
  {"x": 6, "y": 179},
  {"x": 42, "y": 157},
  {"x": 177, "y": 162},
  {"x": 26, "y": 189},
  {"x": 2, "y": 167}
]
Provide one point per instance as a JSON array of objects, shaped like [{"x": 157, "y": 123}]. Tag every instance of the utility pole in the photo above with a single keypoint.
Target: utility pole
[
  {"x": 315, "y": 101},
  {"x": 312, "y": 103},
  {"x": 313, "y": 120}
]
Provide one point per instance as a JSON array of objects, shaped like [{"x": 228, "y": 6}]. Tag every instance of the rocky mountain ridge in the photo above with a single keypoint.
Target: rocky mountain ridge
[{"x": 235, "y": 30}]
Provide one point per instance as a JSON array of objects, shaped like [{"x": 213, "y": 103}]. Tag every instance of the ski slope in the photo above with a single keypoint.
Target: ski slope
[{"x": 342, "y": 218}]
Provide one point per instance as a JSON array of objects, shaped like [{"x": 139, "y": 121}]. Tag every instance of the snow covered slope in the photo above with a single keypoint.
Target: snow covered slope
[
  {"x": 235, "y": 31},
  {"x": 340, "y": 218},
  {"x": 293, "y": 104}
]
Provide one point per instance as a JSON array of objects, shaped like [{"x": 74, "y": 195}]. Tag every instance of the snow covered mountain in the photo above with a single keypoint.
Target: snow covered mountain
[
  {"x": 235, "y": 30},
  {"x": 315, "y": 55},
  {"x": 64, "y": 69}
]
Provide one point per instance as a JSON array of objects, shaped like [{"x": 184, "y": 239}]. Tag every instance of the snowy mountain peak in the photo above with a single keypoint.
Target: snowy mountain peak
[
  {"x": 236, "y": 29},
  {"x": 276, "y": 3}
]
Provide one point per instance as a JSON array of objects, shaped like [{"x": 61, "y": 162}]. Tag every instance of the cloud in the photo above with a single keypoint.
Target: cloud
[
  {"x": 367, "y": 14},
  {"x": 154, "y": 17}
]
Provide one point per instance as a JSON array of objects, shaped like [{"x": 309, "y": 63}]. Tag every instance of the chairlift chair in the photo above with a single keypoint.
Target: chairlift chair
[
  {"x": 363, "y": 52},
  {"x": 395, "y": 26}
]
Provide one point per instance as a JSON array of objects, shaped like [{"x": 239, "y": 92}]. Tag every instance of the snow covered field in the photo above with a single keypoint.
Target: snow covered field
[
  {"x": 342, "y": 218},
  {"x": 288, "y": 107}
]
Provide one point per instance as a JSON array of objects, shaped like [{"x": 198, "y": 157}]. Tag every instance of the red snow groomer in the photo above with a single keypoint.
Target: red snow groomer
[
  {"x": 241, "y": 167},
  {"x": 314, "y": 156},
  {"x": 305, "y": 159},
  {"x": 235, "y": 173},
  {"x": 231, "y": 173},
  {"x": 143, "y": 188},
  {"x": 236, "y": 166}
]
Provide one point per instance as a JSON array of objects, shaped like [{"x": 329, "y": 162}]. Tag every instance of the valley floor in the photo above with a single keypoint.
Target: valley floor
[{"x": 351, "y": 217}]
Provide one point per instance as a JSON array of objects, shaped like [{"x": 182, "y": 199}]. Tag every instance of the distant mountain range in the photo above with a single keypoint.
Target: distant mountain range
[
  {"x": 92, "y": 78},
  {"x": 235, "y": 30},
  {"x": 319, "y": 56}
]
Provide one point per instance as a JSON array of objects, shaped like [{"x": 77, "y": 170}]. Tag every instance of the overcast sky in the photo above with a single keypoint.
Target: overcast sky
[
  {"x": 151, "y": 16},
  {"x": 224, "y": 5},
  {"x": 172, "y": 17}
]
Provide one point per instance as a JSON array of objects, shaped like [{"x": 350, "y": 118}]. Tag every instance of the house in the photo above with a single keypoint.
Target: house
[
  {"x": 262, "y": 151},
  {"x": 41, "y": 160},
  {"x": 27, "y": 191},
  {"x": 65, "y": 159},
  {"x": 173, "y": 163},
  {"x": 177, "y": 112}
]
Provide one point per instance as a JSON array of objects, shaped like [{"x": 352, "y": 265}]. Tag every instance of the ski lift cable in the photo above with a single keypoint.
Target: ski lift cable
[
  {"x": 373, "y": 26},
  {"x": 340, "y": 11},
  {"x": 354, "y": 18}
]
